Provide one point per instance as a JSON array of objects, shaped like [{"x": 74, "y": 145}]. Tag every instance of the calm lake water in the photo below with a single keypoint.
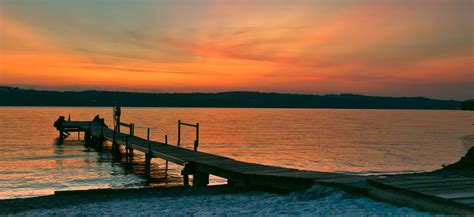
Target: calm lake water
[{"x": 363, "y": 142}]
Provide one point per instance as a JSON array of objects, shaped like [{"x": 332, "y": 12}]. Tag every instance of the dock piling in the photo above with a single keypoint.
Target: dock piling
[
  {"x": 196, "y": 142},
  {"x": 148, "y": 156},
  {"x": 179, "y": 132},
  {"x": 166, "y": 142},
  {"x": 115, "y": 145},
  {"x": 200, "y": 179},
  {"x": 185, "y": 172},
  {"x": 148, "y": 134},
  {"x": 126, "y": 149}
]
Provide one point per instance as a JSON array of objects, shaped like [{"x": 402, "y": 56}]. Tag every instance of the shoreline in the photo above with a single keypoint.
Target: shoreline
[
  {"x": 64, "y": 199},
  {"x": 201, "y": 201},
  {"x": 74, "y": 198}
]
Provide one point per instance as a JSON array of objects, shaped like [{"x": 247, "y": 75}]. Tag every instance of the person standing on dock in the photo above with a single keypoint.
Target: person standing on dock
[{"x": 117, "y": 112}]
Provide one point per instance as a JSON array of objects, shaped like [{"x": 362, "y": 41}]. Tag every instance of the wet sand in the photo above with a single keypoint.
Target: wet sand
[{"x": 64, "y": 199}]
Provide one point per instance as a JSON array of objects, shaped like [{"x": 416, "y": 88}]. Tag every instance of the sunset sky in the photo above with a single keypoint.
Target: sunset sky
[{"x": 379, "y": 47}]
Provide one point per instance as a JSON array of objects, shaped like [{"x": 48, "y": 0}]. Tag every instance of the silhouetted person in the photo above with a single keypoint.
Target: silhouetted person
[
  {"x": 96, "y": 119},
  {"x": 58, "y": 123},
  {"x": 117, "y": 113}
]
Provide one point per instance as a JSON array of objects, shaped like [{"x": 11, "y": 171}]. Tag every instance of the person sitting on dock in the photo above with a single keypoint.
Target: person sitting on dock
[
  {"x": 99, "y": 120},
  {"x": 96, "y": 119},
  {"x": 58, "y": 123}
]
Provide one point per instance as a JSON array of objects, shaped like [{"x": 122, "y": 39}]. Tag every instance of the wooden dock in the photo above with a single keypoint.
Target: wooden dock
[
  {"x": 439, "y": 194},
  {"x": 425, "y": 193}
]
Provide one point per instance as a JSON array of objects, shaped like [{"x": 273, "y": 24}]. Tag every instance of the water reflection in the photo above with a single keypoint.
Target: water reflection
[
  {"x": 119, "y": 166},
  {"x": 348, "y": 141}
]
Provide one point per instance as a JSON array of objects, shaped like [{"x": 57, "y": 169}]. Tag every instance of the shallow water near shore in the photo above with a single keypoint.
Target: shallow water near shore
[{"x": 349, "y": 141}]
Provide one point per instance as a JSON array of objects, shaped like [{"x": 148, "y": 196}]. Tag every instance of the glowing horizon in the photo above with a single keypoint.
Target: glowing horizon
[{"x": 387, "y": 48}]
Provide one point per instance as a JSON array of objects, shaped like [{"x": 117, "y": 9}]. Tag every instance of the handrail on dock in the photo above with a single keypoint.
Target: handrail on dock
[{"x": 196, "y": 141}]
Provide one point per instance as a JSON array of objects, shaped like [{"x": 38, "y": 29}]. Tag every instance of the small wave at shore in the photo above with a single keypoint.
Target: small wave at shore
[{"x": 316, "y": 201}]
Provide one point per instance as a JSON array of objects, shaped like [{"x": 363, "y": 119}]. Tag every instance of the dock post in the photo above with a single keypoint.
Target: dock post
[
  {"x": 196, "y": 142},
  {"x": 200, "y": 179},
  {"x": 166, "y": 142},
  {"x": 148, "y": 156},
  {"x": 132, "y": 133},
  {"x": 88, "y": 136},
  {"x": 186, "y": 180},
  {"x": 185, "y": 172},
  {"x": 179, "y": 131},
  {"x": 126, "y": 150},
  {"x": 78, "y": 135},
  {"x": 113, "y": 139},
  {"x": 118, "y": 123},
  {"x": 115, "y": 146},
  {"x": 130, "y": 152},
  {"x": 148, "y": 134},
  {"x": 100, "y": 137}
]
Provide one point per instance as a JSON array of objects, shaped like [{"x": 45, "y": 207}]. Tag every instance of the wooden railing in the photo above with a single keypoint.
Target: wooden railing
[{"x": 196, "y": 141}]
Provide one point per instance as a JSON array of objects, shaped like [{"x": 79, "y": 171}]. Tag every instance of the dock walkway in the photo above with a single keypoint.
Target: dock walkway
[{"x": 453, "y": 195}]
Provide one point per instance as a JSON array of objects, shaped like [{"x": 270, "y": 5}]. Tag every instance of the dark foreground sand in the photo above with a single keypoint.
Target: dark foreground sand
[
  {"x": 211, "y": 201},
  {"x": 64, "y": 199}
]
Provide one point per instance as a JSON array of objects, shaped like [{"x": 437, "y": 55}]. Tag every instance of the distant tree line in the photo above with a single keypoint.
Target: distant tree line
[
  {"x": 468, "y": 105},
  {"x": 11, "y": 96}
]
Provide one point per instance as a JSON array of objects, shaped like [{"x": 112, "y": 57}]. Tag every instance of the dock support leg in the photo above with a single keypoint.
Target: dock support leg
[
  {"x": 115, "y": 145},
  {"x": 116, "y": 151},
  {"x": 126, "y": 150},
  {"x": 186, "y": 180},
  {"x": 126, "y": 155},
  {"x": 200, "y": 179},
  {"x": 130, "y": 153},
  {"x": 166, "y": 142},
  {"x": 87, "y": 138},
  {"x": 99, "y": 142},
  {"x": 148, "y": 165},
  {"x": 148, "y": 156},
  {"x": 188, "y": 169}
]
